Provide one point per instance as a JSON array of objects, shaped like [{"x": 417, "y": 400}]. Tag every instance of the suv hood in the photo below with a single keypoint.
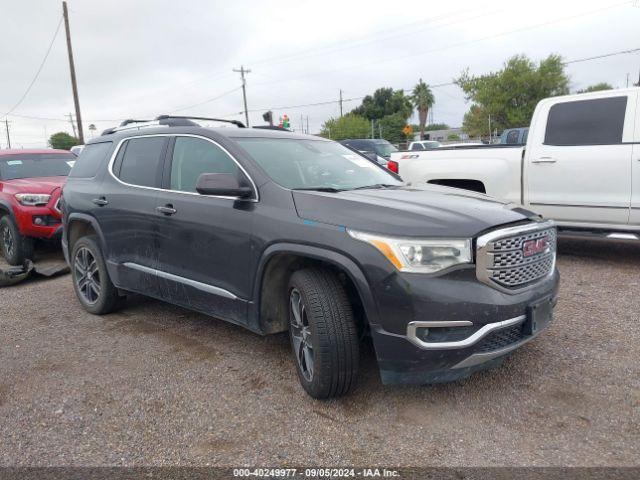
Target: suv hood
[
  {"x": 33, "y": 185},
  {"x": 429, "y": 211}
]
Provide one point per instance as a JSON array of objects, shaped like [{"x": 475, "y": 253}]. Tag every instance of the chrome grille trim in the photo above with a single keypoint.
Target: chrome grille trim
[
  {"x": 500, "y": 261},
  {"x": 56, "y": 207}
]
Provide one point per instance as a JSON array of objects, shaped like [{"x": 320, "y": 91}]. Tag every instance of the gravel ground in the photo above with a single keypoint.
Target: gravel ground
[{"x": 159, "y": 385}]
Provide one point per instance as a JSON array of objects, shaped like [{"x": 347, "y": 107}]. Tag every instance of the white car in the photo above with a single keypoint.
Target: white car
[{"x": 580, "y": 166}]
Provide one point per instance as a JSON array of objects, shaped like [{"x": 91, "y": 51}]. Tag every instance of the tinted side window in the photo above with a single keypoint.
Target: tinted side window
[
  {"x": 586, "y": 122},
  {"x": 512, "y": 137},
  {"x": 90, "y": 160},
  {"x": 141, "y": 161},
  {"x": 194, "y": 156}
]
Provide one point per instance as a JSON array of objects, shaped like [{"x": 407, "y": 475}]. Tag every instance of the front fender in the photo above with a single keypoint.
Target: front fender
[{"x": 335, "y": 258}]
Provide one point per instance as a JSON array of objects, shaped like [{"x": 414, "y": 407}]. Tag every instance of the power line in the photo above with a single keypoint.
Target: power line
[
  {"x": 35, "y": 77},
  {"x": 597, "y": 57},
  {"x": 205, "y": 101}
]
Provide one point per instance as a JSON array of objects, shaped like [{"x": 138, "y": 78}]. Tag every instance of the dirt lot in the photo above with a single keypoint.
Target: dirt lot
[{"x": 159, "y": 385}]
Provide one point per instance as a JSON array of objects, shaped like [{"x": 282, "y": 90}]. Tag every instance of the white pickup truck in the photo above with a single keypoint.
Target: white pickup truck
[{"x": 580, "y": 166}]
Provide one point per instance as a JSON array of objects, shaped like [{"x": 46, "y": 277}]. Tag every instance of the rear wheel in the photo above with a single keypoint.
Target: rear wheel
[
  {"x": 91, "y": 281},
  {"x": 323, "y": 333},
  {"x": 16, "y": 249}
]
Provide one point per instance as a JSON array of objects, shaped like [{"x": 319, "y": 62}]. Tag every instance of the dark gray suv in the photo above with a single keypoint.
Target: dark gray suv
[{"x": 278, "y": 232}]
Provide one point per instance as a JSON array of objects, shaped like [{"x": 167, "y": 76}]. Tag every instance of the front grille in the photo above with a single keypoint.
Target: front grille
[
  {"x": 501, "y": 339},
  {"x": 517, "y": 257}
]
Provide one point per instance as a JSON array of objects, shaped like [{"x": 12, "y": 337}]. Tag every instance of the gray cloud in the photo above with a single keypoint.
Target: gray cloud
[{"x": 144, "y": 57}]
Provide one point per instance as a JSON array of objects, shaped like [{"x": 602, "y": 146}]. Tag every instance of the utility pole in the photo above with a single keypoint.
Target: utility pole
[
  {"x": 372, "y": 131},
  {"x": 242, "y": 71},
  {"x": 72, "y": 68},
  {"x": 6, "y": 125},
  {"x": 307, "y": 124},
  {"x": 73, "y": 125},
  {"x": 340, "y": 102},
  {"x": 627, "y": 80},
  {"x": 489, "y": 128}
]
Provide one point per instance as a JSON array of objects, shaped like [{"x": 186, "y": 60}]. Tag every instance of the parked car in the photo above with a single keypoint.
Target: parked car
[
  {"x": 514, "y": 136},
  {"x": 581, "y": 164},
  {"x": 424, "y": 145},
  {"x": 30, "y": 182},
  {"x": 278, "y": 231},
  {"x": 382, "y": 148}
]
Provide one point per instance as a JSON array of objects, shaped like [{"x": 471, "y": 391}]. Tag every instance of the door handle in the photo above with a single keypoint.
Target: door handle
[
  {"x": 544, "y": 160},
  {"x": 167, "y": 209},
  {"x": 101, "y": 202}
]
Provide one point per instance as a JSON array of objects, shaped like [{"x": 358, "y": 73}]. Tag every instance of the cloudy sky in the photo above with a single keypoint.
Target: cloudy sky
[{"x": 141, "y": 58}]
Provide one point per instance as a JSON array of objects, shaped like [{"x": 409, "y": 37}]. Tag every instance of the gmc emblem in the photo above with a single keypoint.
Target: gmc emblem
[{"x": 534, "y": 247}]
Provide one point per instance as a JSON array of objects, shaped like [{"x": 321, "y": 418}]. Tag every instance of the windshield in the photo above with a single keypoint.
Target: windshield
[
  {"x": 35, "y": 165},
  {"x": 384, "y": 148},
  {"x": 315, "y": 164}
]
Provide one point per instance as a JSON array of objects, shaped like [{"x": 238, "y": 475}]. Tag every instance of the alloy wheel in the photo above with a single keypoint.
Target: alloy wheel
[
  {"x": 301, "y": 334},
  {"x": 8, "y": 243},
  {"x": 87, "y": 275}
]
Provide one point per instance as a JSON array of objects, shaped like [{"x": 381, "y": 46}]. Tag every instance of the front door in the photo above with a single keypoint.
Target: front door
[
  {"x": 204, "y": 241},
  {"x": 578, "y": 166}
]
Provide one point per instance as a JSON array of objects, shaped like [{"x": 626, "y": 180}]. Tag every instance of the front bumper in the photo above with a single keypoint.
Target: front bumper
[{"x": 476, "y": 326}]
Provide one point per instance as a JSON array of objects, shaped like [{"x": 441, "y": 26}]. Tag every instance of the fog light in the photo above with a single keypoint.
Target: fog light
[{"x": 38, "y": 221}]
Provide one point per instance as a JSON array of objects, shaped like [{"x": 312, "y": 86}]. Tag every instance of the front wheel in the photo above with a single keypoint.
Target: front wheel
[
  {"x": 16, "y": 248},
  {"x": 323, "y": 333}
]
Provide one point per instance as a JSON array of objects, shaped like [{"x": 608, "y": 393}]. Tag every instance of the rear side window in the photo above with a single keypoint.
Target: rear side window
[
  {"x": 586, "y": 122},
  {"x": 140, "y": 164},
  {"x": 417, "y": 146},
  {"x": 90, "y": 160},
  {"x": 513, "y": 137},
  {"x": 194, "y": 156}
]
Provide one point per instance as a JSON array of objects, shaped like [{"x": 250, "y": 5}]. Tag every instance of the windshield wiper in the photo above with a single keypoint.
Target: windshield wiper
[
  {"x": 321, "y": 189},
  {"x": 376, "y": 185}
]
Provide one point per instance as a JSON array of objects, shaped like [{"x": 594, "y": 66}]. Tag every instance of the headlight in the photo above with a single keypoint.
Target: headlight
[
  {"x": 33, "y": 199},
  {"x": 419, "y": 255}
]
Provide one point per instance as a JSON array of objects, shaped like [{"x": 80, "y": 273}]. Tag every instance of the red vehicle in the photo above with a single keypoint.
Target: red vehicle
[{"x": 30, "y": 186}]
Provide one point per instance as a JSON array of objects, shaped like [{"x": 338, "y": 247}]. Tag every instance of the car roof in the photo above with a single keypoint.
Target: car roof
[{"x": 32, "y": 151}]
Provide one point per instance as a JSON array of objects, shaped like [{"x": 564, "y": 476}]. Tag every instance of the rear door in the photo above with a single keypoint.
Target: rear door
[
  {"x": 578, "y": 165},
  {"x": 125, "y": 206}
]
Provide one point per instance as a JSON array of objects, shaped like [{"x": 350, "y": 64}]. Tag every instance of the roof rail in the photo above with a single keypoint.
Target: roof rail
[
  {"x": 160, "y": 118},
  {"x": 131, "y": 120}
]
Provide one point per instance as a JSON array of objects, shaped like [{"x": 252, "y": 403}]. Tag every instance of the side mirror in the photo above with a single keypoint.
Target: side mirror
[{"x": 222, "y": 184}]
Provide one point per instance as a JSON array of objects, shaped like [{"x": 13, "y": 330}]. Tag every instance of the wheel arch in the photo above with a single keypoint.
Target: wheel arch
[
  {"x": 79, "y": 225},
  {"x": 6, "y": 209},
  {"x": 275, "y": 267}
]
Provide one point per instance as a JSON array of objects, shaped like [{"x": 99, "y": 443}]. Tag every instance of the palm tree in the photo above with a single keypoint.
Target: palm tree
[{"x": 422, "y": 99}]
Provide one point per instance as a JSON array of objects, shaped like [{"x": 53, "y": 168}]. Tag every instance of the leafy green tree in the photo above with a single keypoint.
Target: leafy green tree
[
  {"x": 63, "y": 141},
  {"x": 453, "y": 137},
  {"x": 436, "y": 126},
  {"x": 385, "y": 101},
  {"x": 347, "y": 126},
  {"x": 390, "y": 127},
  {"x": 510, "y": 95},
  {"x": 596, "y": 88},
  {"x": 422, "y": 99}
]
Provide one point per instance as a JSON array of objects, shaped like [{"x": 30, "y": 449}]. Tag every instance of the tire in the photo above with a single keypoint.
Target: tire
[
  {"x": 91, "y": 281},
  {"x": 16, "y": 249},
  {"x": 323, "y": 334}
]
